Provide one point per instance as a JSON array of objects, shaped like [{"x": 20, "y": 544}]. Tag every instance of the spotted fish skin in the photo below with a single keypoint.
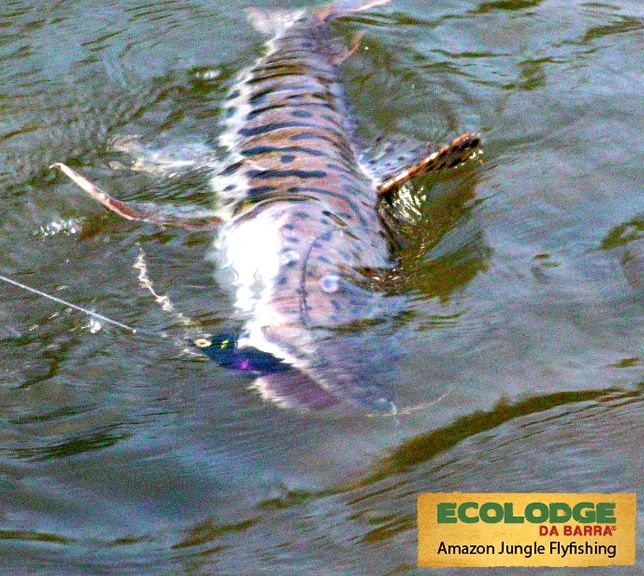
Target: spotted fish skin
[
  {"x": 304, "y": 220},
  {"x": 289, "y": 130}
]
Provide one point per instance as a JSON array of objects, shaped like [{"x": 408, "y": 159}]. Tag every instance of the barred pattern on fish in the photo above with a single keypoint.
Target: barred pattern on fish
[{"x": 299, "y": 223}]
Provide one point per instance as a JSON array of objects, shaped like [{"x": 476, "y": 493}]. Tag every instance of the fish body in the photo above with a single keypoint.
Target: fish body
[
  {"x": 301, "y": 228},
  {"x": 304, "y": 221}
]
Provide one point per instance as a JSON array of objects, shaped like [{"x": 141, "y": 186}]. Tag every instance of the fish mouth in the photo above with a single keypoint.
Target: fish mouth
[{"x": 340, "y": 376}]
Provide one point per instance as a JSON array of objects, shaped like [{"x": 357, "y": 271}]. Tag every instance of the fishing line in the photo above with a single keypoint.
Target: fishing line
[
  {"x": 68, "y": 304},
  {"x": 194, "y": 333},
  {"x": 161, "y": 299}
]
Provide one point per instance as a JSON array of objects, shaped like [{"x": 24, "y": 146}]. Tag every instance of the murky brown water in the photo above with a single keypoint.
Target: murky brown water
[{"x": 122, "y": 455}]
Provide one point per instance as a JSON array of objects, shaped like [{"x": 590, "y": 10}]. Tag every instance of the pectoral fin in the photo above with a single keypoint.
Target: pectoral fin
[
  {"x": 198, "y": 221},
  {"x": 165, "y": 160},
  {"x": 456, "y": 152}
]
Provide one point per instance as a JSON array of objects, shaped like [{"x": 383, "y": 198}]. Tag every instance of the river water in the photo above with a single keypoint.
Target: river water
[{"x": 122, "y": 454}]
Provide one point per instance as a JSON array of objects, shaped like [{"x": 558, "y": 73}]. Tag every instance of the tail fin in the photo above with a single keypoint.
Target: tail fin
[
  {"x": 273, "y": 22},
  {"x": 346, "y": 8}
]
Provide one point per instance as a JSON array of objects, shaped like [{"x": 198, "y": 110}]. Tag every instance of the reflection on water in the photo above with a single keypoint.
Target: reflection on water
[{"x": 522, "y": 279}]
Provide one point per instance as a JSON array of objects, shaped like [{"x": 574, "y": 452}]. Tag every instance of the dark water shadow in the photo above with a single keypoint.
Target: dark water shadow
[
  {"x": 447, "y": 247},
  {"x": 429, "y": 445}
]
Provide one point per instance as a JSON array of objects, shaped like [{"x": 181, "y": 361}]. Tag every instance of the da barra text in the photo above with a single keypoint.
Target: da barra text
[{"x": 526, "y": 529}]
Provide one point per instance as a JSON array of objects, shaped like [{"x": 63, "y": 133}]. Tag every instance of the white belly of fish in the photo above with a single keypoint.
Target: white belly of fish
[{"x": 250, "y": 254}]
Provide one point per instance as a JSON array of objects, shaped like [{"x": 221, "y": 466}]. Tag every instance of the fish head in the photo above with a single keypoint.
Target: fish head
[
  {"x": 321, "y": 338},
  {"x": 344, "y": 376}
]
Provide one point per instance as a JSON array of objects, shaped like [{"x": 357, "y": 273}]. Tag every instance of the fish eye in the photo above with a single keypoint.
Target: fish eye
[{"x": 330, "y": 284}]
